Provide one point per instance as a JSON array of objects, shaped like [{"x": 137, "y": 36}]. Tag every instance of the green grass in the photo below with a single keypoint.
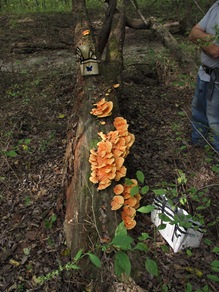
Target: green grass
[
  {"x": 25, "y": 6},
  {"x": 161, "y": 8}
]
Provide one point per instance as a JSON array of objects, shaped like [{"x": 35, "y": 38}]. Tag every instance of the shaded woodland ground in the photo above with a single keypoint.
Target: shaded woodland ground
[{"x": 37, "y": 73}]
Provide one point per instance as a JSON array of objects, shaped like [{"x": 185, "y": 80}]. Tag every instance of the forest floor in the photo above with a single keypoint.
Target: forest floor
[{"x": 37, "y": 75}]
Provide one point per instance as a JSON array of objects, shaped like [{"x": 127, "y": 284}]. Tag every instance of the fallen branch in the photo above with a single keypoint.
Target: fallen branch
[
  {"x": 199, "y": 6},
  {"x": 165, "y": 36}
]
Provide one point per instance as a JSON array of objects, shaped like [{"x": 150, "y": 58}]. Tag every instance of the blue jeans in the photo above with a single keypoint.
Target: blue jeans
[{"x": 205, "y": 115}]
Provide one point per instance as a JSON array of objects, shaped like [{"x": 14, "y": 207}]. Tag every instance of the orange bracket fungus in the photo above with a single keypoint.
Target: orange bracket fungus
[
  {"x": 117, "y": 202},
  {"x": 108, "y": 159},
  {"x": 118, "y": 189},
  {"x": 103, "y": 108},
  {"x": 130, "y": 203},
  {"x": 103, "y": 168},
  {"x": 86, "y": 32},
  {"x": 107, "y": 163}
]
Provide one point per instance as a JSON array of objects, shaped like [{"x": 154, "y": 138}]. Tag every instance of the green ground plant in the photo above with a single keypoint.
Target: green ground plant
[
  {"x": 44, "y": 144},
  {"x": 48, "y": 222},
  {"x": 122, "y": 245},
  {"x": 23, "y": 145},
  {"x": 180, "y": 195},
  {"x": 119, "y": 248}
]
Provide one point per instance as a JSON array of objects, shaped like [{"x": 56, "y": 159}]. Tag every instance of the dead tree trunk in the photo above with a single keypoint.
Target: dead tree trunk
[{"x": 89, "y": 219}]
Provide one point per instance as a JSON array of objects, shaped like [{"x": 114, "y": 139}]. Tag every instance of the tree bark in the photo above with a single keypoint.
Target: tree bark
[
  {"x": 106, "y": 27},
  {"x": 89, "y": 219},
  {"x": 88, "y": 215}
]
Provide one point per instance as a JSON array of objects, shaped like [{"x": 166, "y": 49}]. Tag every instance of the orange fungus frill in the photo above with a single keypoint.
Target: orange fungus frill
[
  {"x": 118, "y": 189},
  {"x": 86, "y": 32},
  {"x": 130, "y": 203},
  {"x": 103, "y": 168},
  {"x": 103, "y": 108},
  {"x": 107, "y": 161},
  {"x": 117, "y": 202}
]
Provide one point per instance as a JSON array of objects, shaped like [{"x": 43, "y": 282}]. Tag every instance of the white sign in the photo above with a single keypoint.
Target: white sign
[{"x": 178, "y": 237}]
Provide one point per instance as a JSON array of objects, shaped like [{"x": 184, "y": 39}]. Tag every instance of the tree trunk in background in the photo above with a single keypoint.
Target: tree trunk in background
[
  {"x": 89, "y": 218},
  {"x": 187, "y": 21}
]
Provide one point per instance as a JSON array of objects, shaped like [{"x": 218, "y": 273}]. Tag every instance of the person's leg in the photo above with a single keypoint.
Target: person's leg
[
  {"x": 200, "y": 125},
  {"x": 213, "y": 117}
]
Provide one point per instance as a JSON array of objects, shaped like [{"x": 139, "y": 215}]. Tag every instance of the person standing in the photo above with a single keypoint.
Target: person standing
[{"x": 205, "y": 103}]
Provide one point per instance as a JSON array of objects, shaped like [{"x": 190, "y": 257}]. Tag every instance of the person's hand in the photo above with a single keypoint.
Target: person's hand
[{"x": 205, "y": 41}]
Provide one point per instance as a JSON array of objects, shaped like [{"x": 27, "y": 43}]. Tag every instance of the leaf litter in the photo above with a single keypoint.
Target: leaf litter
[{"x": 36, "y": 100}]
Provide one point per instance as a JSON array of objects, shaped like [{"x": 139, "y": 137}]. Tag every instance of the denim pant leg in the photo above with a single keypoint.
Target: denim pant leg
[
  {"x": 200, "y": 124},
  {"x": 213, "y": 117}
]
